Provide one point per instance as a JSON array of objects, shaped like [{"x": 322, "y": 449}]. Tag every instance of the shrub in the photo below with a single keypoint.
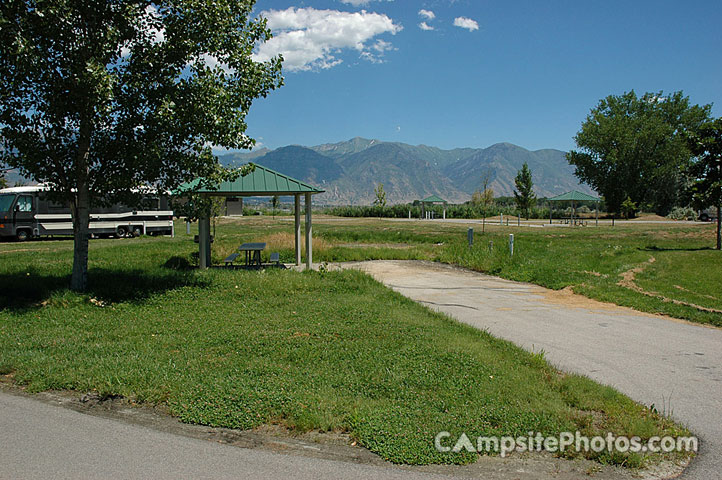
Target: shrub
[{"x": 682, "y": 213}]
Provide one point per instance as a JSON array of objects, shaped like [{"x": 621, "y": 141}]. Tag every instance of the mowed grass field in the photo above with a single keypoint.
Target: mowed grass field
[
  {"x": 332, "y": 351},
  {"x": 666, "y": 268}
]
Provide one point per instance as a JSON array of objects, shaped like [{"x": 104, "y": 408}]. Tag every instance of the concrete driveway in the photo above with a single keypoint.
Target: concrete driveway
[{"x": 676, "y": 366}]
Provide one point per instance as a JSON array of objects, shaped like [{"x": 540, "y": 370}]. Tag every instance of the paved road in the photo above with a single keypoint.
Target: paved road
[
  {"x": 41, "y": 441},
  {"x": 676, "y": 366}
]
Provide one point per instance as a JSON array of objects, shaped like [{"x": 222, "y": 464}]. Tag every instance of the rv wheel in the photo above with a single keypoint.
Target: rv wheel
[
  {"x": 137, "y": 232},
  {"x": 121, "y": 232},
  {"x": 22, "y": 235}
]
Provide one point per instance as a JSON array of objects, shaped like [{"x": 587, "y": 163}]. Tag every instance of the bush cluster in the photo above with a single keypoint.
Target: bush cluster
[{"x": 465, "y": 210}]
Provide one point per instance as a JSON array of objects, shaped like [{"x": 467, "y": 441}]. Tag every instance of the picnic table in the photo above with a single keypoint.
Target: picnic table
[
  {"x": 253, "y": 252},
  {"x": 573, "y": 220}
]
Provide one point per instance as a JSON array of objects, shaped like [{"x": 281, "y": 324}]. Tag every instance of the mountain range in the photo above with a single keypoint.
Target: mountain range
[{"x": 350, "y": 171}]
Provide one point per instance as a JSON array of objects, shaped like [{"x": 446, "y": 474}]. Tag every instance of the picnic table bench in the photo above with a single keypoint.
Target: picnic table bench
[{"x": 231, "y": 258}]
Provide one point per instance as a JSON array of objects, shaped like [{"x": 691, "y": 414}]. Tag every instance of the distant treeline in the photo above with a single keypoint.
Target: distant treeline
[{"x": 501, "y": 205}]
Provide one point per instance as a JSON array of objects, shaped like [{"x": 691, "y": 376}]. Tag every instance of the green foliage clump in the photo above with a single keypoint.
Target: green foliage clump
[
  {"x": 524, "y": 194},
  {"x": 634, "y": 147},
  {"x": 706, "y": 189},
  {"x": 628, "y": 208},
  {"x": 682, "y": 213}
]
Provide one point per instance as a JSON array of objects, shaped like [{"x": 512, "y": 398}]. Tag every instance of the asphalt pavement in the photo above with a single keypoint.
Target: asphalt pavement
[{"x": 675, "y": 365}]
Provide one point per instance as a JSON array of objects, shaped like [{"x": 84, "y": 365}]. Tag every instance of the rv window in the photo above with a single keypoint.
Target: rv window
[
  {"x": 5, "y": 202},
  {"x": 25, "y": 203}
]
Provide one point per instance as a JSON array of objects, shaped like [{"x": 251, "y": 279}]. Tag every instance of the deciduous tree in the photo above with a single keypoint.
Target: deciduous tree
[
  {"x": 380, "y": 200},
  {"x": 705, "y": 143},
  {"x": 634, "y": 147},
  {"x": 101, "y": 98}
]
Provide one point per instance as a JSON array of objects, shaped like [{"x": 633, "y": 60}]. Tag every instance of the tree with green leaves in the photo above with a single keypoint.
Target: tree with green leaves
[
  {"x": 635, "y": 147},
  {"x": 275, "y": 202},
  {"x": 628, "y": 208},
  {"x": 483, "y": 198},
  {"x": 380, "y": 200},
  {"x": 104, "y": 99},
  {"x": 524, "y": 196},
  {"x": 705, "y": 143}
]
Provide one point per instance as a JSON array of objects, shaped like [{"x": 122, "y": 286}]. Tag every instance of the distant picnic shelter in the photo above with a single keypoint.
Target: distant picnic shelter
[
  {"x": 432, "y": 200},
  {"x": 261, "y": 182},
  {"x": 574, "y": 197}
]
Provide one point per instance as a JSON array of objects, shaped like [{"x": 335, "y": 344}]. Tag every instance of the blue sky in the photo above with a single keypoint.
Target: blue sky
[{"x": 525, "y": 72}]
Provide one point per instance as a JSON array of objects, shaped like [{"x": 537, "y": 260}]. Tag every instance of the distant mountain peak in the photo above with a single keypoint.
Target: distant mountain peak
[{"x": 350, "y": 170}]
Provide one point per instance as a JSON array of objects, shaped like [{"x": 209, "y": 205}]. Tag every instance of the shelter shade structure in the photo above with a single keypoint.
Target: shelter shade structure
[
  {"x": 261, "y": 182},
  {"x": 574, "y": 197},
  {"x": 432, "y": 200}
]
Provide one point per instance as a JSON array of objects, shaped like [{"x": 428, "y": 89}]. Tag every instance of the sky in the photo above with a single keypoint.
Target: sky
[{"x": 471, "y": 73}]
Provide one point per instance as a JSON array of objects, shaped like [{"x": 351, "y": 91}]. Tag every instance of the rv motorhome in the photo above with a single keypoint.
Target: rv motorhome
[{"x": 25, "y": 213}]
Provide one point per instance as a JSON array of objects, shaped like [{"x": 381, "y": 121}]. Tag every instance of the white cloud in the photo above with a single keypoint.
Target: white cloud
[
  {"x": 380, "y": 47},
  {"x": 358, "y": 3},
  {"x": 428, "y": 14},
  {"x": 309, "y": 38},
  {"x": 425, "y": 26},
  {"x": 466, "y": 23}
]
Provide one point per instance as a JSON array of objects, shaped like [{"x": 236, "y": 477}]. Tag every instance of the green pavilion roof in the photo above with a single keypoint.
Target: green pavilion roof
[
  {"x": 262, "y": 181},
  {"x": 433, "y": 199},
  {"x": 574, "y": 196}
]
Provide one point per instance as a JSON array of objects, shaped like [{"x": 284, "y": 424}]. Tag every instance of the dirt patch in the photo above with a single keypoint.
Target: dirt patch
[
  {"x": 568, "y": 298},
  {"x": 627, "y": 281}
]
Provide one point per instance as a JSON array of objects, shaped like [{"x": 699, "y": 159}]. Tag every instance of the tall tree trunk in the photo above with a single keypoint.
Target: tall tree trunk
[
  {"x": 81, "y": 212},
  {"x": 81, "y": 232},
  {"x": 719, "y": 231}
]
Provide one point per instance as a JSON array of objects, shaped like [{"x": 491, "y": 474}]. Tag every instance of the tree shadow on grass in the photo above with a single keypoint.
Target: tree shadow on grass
[
  {"x": 654, "y": 248},
  {"x": 20, "y": 291}
]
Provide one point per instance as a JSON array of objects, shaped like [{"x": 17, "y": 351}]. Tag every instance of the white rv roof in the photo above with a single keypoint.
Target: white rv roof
[
  {"x": 42, "y": 187},
  {"x": 27, "y": 189}
]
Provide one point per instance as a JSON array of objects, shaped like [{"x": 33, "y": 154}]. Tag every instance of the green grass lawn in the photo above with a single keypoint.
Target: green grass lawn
[
  {"x": 686, "y": 272},
  {"x": 678, "y": 272},
  {"x": 332, "y": 351}
]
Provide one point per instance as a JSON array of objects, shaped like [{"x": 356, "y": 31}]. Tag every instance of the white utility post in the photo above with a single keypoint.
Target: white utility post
[
  {"x": 309, "y": 247},
  {"x": 297, "y": 218}
]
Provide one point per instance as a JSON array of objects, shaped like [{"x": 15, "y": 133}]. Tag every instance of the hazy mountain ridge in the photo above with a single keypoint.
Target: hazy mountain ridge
[{"x": 349, "y": 171}]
